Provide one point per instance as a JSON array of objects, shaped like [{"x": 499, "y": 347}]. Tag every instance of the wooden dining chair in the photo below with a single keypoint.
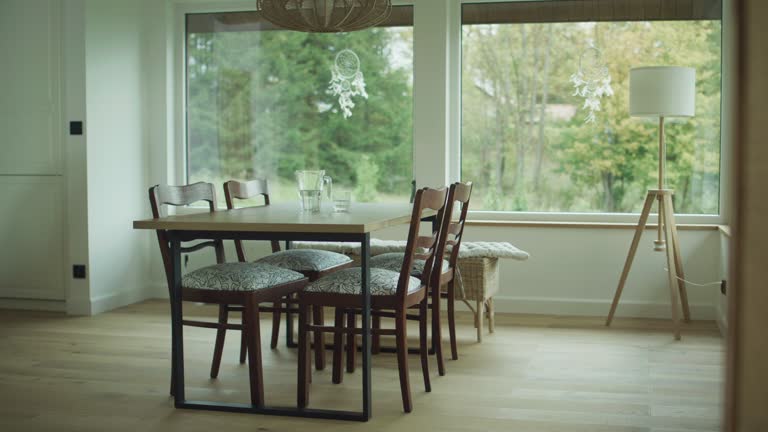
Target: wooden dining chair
[
  {"x": 226, "y": 284},
  {"x": 454, "y": 233},
  {"x": 392, "y": 293},
  {"x": 311, "y": 263},
  {"x": 451, "y": 233}
]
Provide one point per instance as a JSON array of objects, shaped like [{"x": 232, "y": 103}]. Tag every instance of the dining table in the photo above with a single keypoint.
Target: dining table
[{"x": 282, "y": 222}]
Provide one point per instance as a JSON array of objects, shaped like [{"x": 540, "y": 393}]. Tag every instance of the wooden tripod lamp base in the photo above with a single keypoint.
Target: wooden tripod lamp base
[{"x": 671, "y": 245}]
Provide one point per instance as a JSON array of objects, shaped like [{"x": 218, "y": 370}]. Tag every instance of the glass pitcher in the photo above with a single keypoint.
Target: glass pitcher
[{"x": 311, "y": 185}]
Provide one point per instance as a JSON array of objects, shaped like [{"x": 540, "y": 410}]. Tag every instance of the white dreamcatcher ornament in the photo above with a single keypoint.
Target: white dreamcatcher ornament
[
  {"x": 592, "y": 81},
  {"x": 347, "y": 80}
]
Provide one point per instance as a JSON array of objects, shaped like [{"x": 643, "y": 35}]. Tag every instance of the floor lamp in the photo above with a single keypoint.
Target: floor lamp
[{"x": 661, "y": 91}]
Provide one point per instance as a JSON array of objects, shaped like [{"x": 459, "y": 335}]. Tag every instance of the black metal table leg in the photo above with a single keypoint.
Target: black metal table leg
[
  {"x": 365, "y": 255},
  {"x": 177, "y": 336},
  {"x": 289, "y": 342}
]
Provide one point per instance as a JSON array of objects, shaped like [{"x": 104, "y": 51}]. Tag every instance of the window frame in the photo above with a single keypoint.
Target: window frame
[
  {"x": 179, "y": 172},
  {"x": 178, "y": 168},
  {"x": 431, "y": 12},
  {"x": 455, "y": 47}
]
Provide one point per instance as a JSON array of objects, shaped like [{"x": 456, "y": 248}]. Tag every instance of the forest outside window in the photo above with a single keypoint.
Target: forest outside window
[
  {"x": 531, "y": 142},
  {"x": 258, "y": 105}
]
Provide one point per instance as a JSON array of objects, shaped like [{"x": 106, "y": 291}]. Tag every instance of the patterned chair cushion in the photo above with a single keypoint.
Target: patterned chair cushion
[
  {"x": 347, "y": 281},
  {"x": 305, "y": 259},
  {"x": 394, "y": 260},
  {"x": 237, "y": 276}
]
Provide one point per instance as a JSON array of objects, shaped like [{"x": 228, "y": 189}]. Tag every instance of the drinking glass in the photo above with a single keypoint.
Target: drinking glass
[{"x": 342, "y": 201}]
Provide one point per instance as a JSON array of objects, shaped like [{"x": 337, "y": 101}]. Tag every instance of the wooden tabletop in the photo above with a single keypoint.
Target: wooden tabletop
[{"x": 286, "y": 217}]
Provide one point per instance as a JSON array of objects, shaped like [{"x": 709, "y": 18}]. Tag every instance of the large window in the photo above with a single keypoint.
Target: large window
[
  {"x": 258, "y": 105},
  {"x": 532, "y": 141}
]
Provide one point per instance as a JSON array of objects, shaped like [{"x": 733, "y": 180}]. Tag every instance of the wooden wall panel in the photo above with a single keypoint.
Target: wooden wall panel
[
  {"x": 747, "y": 375},
  {"x": 30, "y": 119},
  {"x": 31, "y": 131},
  {"x": 31, "y": 233}
]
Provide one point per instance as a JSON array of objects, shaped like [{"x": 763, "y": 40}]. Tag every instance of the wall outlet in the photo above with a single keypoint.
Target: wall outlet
[
  {"x": 723, "y": 286},
  {"x": 78, "y": 271},
  {"x": 75, "y": 128}
]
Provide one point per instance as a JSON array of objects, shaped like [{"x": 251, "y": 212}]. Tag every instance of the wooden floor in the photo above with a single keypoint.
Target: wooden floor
[{"x": 110, "y": 373}]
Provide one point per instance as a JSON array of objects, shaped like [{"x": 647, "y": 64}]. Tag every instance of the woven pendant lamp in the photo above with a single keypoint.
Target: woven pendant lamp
[{"x": 325, "y": 16}]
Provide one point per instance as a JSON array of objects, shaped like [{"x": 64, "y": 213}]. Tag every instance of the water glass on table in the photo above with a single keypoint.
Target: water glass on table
[{"x": 341, "y": 201}]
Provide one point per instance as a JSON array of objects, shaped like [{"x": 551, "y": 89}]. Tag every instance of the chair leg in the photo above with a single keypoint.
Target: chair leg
[
  {"x": 452, "y": 320},
  {"x": 401, "y": 341},
  {"x": 275, "y": 324},
  {"x": 479, "y": 319},
  {"x": 218, "y": 348},
  {"x": 243, "y": 340},
  {"x": 351, "y": 343},
  {"x": 302, "y": 396},
  {"x": 337, "y": 345},
  {"x": 375, "y": 338},
  {"x": 437, "y": 335},
  {"x": 319, "y": 342},
  {"x": 252, "y": 331},
  {"x": 173, "y": 387},
  {"x": 491, "y": 316},
  {"x": 423, "y": 348}
]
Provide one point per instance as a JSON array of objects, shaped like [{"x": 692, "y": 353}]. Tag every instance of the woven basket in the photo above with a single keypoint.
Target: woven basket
[{"x": 480, "y": 277}]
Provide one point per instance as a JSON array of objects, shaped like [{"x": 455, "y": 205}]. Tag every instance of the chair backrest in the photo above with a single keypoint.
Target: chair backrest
[
  {"x": 419, "y": 246},
  {"x": 161, "y": 196},
  {"x": 247, "y": 190},
  {"x": 452, "y": 231}
]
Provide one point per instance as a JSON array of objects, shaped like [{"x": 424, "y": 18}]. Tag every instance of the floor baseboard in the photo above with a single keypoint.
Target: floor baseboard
[{"x": 33, "y": 304}]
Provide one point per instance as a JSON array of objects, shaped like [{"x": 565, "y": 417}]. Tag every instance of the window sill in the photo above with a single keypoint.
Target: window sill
[{"x": 586, "y": 225}]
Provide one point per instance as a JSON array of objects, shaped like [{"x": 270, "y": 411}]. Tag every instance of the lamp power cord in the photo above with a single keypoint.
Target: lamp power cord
[{"x": 694, "y": 283}]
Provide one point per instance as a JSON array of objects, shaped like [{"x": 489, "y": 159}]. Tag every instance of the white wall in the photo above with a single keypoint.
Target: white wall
[
  {"x": 75, "y": 155},
  {"x": 162, "y": 117},
  {"x": 729, "y": 95},
  {"x": 430, "y": 92},
  {"x": 117, "y": 156},
  {"x": 721, "y": 301},
  {"x": 575, "y": 271}
]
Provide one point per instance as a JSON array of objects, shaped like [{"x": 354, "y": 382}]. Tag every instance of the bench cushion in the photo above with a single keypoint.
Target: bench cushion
[
  {"x": 394, "y": 260},
  {"x": 238, "y": 276},
  {"x": 305, "y": 259},
  {"x": 347, "y": 281},
  {"x": 378, "y": 247}
]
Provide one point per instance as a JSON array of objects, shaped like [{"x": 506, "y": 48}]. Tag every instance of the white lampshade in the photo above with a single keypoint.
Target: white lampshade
[{"x": 656, "y": 91}]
